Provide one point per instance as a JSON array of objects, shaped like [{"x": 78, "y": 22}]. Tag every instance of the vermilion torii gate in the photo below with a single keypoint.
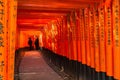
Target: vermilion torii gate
[
  {"x": 8, "y": 16},
  {"x": 89, "y": 35}
]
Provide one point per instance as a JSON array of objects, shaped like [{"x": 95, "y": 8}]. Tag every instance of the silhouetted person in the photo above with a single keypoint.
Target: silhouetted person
[
  {"x": 30, "y": 43},
  {"x": 37, "y": 43}
]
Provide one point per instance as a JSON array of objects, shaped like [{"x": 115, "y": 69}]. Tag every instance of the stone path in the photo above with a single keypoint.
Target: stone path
[{"x": 33, "y": 67}]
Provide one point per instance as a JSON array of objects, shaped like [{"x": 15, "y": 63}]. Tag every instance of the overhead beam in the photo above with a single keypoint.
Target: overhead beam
[
  {"x": 41, "y": 10},
  {"x": 40, "y": 28},
  {"x": 37, "y": 16},
  {"x": 56, "y": 3}
]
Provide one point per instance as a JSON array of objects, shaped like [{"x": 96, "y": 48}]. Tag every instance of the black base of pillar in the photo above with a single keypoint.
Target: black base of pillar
[
  {"x": 75, "y": 69},
  {"x": 103, "y": 75},
  {"x": 92, "y": 74},
  {"x": 97, "y": 76},
  {"x": 110, "y": 78}
]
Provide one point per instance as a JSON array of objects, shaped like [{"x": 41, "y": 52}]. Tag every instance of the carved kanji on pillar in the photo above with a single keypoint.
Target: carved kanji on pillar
[
  {"x": 1, "y": 77},
  {"x": 2, "y": 38},
  {"x": 1, "y": 28}
]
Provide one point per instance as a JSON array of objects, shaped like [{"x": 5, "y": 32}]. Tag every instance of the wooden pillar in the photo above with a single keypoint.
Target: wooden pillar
[
  {"x": 12, "y": 9},
  {"x": 74, "y": 38},
  {"x": 82, "y": 33},
  {"x": 109, "y": 38},
  {"x": 69, "y": 37},
  {"x": 3, "y": 45},
  {"x": 78, "y": 36},
  {"x": 116, "y": 37},
  {"x": 91, "y": 24},
  {"x": 92, "y": 42},
  {"x": 102, "y": 41},
  {"x": 87, "y": 37},
  {"x": 97, "y": 44}
]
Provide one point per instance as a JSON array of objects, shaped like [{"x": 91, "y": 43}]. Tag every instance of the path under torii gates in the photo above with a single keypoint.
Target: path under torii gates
[{"x": 33, "y": 67}]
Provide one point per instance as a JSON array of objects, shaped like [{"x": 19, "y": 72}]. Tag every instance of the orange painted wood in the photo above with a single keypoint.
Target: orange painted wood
[
  {"x": 96, "y": 39},
  {"x": 74, "y": 36},
  {"x": 92, "y": 52},
  {"x": 78, "y": 38},
  {"x": 3, "y": 39},
  {"x": 70, "y": 42},
  {"x": 87, "y": 37},
  {"x": 12, "y": 34},
  {"x": 116, "y": 38},
  {"x": 102, "y": 39},
  {"x": 109, "y": 43},
  {"x": 82, "y": 32}
]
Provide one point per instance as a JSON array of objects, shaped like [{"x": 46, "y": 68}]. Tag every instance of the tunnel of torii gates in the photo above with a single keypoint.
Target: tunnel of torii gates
[{"x": 89, "y": 35}]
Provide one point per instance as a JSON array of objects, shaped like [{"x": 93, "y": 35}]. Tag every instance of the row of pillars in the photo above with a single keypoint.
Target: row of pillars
[{"x": 90, "y": 36}]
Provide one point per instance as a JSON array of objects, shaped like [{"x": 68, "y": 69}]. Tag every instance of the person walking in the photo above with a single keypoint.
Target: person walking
[
  {"x": 37, "y": 43},
  {"x": 30, "y": 43}
]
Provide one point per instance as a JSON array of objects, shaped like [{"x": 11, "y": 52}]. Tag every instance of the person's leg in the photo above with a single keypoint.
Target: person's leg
[
  {"x": 37, "y": 47},
  {"x": 30, "y": 47}
]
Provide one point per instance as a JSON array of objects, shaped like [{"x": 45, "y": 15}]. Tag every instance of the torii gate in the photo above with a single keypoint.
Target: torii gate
[
  {"x": 8, "y": 34},
  {"x": 8, "y": 10}
]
